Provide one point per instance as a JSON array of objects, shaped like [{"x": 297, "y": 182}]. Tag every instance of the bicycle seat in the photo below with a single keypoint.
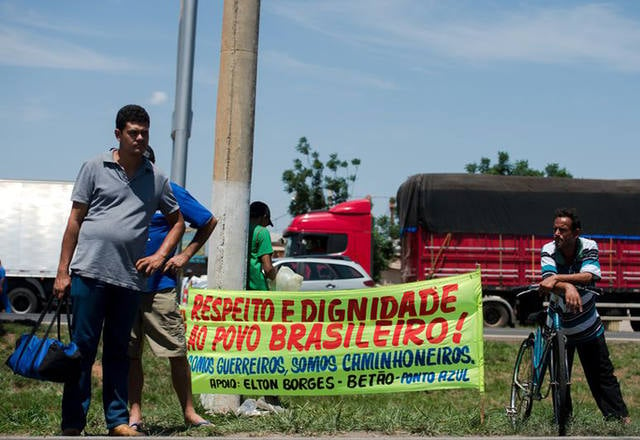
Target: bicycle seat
[{"x": 539, "y": 317}]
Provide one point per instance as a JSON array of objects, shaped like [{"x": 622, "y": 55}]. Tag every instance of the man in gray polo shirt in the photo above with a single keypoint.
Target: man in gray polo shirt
[{"x": 102, "y": 263}]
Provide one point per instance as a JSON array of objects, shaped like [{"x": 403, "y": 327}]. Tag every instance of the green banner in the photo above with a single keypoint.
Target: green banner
[{"x": 404, "y": 337}]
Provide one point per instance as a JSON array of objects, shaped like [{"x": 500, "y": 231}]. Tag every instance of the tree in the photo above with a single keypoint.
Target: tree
[
  {"x": 519, "y": 168},
  {"x": 312, "y": 186},
  {"x": 385, "y": 235},
  {"x": 316, "y": 186}
]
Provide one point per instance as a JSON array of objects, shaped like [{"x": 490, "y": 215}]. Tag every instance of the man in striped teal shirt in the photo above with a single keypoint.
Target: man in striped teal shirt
[{"x": 571, "y": 260}]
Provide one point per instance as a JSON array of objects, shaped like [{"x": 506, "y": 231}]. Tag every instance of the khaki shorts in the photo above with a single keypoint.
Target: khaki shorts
[{"x": 160, "y": 320}]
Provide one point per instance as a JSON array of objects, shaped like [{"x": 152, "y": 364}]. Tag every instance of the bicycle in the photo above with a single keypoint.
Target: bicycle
[{"x": 544, "y": 349}]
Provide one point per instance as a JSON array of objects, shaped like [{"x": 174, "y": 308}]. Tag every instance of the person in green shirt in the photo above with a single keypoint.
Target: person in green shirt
[{"x": 259, "y": 264}]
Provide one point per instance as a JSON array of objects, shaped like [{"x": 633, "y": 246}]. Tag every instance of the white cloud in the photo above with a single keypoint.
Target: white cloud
[
  {"x": 25, "y": 16},
  {"x": 35, "y": 113},
  {"x": 339, "y": 75},
  {"x": 24, "y": 49},
  {"x": 158, "y": 98},
  {"x": 473, "y": 32}
]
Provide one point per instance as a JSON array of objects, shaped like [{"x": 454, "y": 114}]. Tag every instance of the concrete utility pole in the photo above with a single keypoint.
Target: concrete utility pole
[
  {"x": 182, "y": 113},
  {"x": 233, "y": 159}
]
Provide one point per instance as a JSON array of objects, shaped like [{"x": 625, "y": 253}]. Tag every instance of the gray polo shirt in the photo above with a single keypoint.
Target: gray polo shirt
[{"x": 114, "y": 232}]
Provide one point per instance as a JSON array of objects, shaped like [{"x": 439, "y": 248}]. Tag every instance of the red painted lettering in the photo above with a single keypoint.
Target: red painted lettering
[
  {"x": 407, "y": 305},
  {"x": 413, "y": 329},
  {"x": 197, "y": 304},
  {"x": 380, "y": 332},
  {"x": 278, "y": 333},
  {"x": 429, "y": 301},
  {"x": 287, "y": 304},
  {"x": 334, "y": 338},
  {"x": 388, "y": 307},
  {"x": 444, "y": 327},
  {"x": 447, "y": 298}
]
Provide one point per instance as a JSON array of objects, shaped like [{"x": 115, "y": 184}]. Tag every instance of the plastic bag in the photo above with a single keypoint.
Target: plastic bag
[
  {"x": 199, "y": 282},
  {"x": 286, "y": 279}
]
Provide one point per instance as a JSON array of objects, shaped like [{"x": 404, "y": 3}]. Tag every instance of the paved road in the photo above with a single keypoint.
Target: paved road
[{"x": 624, "y": 333}]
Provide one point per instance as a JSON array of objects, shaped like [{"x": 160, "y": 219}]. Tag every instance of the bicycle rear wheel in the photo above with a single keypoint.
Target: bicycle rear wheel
[
  {"x": 559, "y": 379},
  {"x": 522, "y": 384}
]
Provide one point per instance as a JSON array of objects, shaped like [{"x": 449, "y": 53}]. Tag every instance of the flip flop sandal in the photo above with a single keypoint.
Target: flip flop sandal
[
  {"x": 199, "y": 424},
  {"x": 137, "y": 426}
]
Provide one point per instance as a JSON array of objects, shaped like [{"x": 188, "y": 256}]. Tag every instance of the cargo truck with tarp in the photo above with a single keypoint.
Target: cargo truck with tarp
[{"x": 454, "y": 223}]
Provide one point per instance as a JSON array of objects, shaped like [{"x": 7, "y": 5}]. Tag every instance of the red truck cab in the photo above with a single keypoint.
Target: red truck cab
[{"x": 344, "y": 229}]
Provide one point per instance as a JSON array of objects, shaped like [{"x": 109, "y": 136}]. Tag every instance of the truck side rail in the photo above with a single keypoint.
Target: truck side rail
[{"x": 604, "y": 305}]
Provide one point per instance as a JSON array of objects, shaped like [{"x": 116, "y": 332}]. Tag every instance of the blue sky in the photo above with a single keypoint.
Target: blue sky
[{"x": 407, "y": 86}]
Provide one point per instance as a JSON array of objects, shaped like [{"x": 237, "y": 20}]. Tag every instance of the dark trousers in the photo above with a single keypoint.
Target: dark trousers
[
  {"x": 100, "y": 308},
  {"x": 598, "y": 370}
]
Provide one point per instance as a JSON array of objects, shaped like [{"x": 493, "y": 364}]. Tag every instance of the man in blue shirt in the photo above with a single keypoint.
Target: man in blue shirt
[
  {"x": 159, "y": 318},
  {"x": 4, "y": 292},
  {"x": 571, "y": 260}
]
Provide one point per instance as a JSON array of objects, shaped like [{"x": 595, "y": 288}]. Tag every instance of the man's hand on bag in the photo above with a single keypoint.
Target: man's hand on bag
[{"x": 61, "y": 285}]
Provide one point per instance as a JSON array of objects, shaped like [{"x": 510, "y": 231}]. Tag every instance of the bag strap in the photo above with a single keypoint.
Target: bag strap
[
  {"x": 56, "y": 318},
  {"x": 66, "y": 303},
  {"x": 43, "y": 314}
]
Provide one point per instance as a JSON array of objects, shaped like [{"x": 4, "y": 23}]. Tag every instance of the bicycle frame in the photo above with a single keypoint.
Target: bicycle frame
[
  {"x": 544, "y": 349},
  {"x": 542, "y": 343}
]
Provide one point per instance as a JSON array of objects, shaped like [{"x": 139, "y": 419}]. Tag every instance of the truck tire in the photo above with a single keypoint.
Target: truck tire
[
  {"x": 635, "y": 325},
  {"x": 23, "y": 300},
  {"x": 495, "y": 314}
]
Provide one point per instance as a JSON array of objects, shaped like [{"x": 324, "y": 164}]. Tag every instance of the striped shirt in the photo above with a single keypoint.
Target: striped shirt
[{"x": 585, "y": 325}]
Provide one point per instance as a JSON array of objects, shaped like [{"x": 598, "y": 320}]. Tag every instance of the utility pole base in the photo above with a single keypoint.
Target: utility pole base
[{"x": 220, "y": 403}]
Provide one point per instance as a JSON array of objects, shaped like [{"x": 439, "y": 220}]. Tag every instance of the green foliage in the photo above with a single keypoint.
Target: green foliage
[
  {"x": 32, "y": 408},
  {"x": 316, "y": 185},
  {"x": 385, "y": 235},
  {"x": 554, "y": 170},
  {"x": 520, "y": 168}
]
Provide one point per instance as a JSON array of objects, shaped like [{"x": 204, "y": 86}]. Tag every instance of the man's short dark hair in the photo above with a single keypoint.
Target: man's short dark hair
[
  {"x": 131, "y": 113},
  {"x": 569, "y": 213}
]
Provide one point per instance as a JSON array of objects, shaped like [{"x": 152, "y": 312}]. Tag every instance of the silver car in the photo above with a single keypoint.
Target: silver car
[{"x": 327, "y": 273}]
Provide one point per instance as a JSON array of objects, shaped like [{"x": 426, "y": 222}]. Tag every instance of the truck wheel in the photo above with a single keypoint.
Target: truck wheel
[
  {"x": 23, "y": 300},
  {"x": 495, "y": 314},
  {"x": 635, "y": 325}
]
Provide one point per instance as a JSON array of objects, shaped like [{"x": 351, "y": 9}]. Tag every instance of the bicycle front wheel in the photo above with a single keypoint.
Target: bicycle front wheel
[
  {"x": 522, "y": 384},
  {"x": 560, "y": 382}
]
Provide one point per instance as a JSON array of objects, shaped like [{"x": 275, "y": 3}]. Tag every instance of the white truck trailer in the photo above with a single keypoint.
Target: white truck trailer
[{"x": 33, "y": 217}]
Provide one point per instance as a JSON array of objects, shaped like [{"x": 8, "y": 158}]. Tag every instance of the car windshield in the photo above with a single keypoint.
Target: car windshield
[{"x": 315, "y": 244}]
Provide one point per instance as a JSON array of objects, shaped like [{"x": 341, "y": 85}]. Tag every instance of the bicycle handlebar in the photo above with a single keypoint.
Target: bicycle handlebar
[{"x": 535, "y": 287}]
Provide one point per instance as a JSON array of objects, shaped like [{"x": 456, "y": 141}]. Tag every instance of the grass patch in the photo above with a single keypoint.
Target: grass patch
[{"x": 35, "y": 406}]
